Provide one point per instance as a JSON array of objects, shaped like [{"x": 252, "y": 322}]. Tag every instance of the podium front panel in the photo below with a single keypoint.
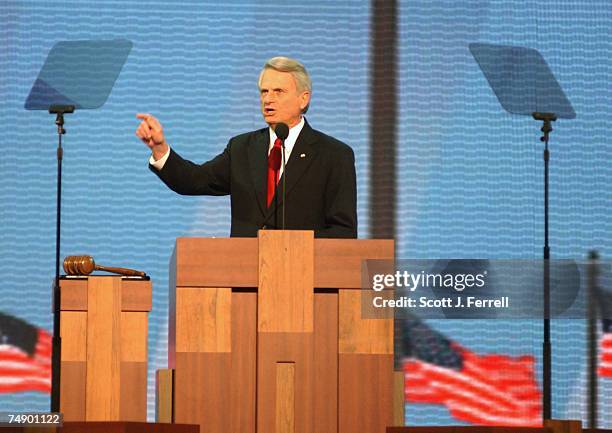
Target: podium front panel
[
  {"x": 296, "y": 355},
  {"x": 104, "y": 348}
]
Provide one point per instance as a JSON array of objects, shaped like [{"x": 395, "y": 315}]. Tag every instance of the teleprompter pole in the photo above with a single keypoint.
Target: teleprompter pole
[
  {"x": 59, "y": 111},
  {"x": 546, "y": 118}
]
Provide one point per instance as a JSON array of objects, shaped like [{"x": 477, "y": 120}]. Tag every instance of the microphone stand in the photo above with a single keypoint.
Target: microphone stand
[
  {"x": 276, "y": 174},
  {"x": 59, "y": 111},
  {"x": 593, "y": 300},
  {"x": 284, "y": 175},
  {"x": 284, "y": 184},
  {"x": 546, "y": 118}
]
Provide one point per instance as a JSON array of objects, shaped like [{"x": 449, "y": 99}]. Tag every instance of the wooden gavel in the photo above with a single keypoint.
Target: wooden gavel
[{"x": 85, "y": 265}]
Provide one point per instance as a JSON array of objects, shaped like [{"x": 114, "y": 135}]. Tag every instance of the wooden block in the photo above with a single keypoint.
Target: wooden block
[
  {"x": 136, "y": 295},
  {"x": 338, "y": 261},
  {"x": 73, "y": 294},
  {"x": 172, "y": 289},
  {"x": 233, "y": 262},
  {"x": 72, "y": 390},
  {"x": 243, "y": 362},
  {"x": 103, "y": 351},
  {"x": 365, "y": 393},
  {"x": 164, "y": 395},
  {"x": 285, "y": 397},
  {"x": 134, "y": 332},
  {"x": 202, "y": 389},
  {"x": 133, "y": 405},
  {"x": 96, "y": 338},
  {"x": 217, "y": 390},
  {"x": 296, "y": 348},
  {"x": 564, "y": 425},
  {"x": 73, "y": 330},
  {"x": 398, "y": 398},
  {"x": 219, "y": 262},
  {"x": 286, "y": 278},
  {"x": 203, "y": 320},
  {"x": 326, "y": 363},
  {"x": 358, "y": 335}
]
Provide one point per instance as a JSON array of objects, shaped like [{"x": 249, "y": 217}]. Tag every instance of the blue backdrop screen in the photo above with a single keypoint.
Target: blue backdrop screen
[{"x": 469, "y": 174}]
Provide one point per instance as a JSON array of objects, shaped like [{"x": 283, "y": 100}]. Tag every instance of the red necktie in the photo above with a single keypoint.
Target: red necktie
[{"x": 274, "y": 162}]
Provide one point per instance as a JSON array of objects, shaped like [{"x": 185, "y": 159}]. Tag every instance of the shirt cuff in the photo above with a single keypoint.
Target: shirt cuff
[{"x": 159, "y": 164}]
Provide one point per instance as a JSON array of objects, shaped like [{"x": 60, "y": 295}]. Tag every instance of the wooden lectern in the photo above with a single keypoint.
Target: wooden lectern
[
  {"x": 266, "y": 336},
  {"x": 104, "y": 348}
]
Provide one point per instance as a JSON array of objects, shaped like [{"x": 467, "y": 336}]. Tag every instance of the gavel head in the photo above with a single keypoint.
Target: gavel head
[{"x": 79, "y": 265}]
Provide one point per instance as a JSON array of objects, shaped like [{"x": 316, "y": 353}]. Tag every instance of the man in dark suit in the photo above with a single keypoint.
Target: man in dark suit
[{"x": 320, "y": 172}]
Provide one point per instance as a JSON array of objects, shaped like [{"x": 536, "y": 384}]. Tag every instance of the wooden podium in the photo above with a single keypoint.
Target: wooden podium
[
  {"x": 104, "y": 348},
  {"x": 266, "y": 336}
]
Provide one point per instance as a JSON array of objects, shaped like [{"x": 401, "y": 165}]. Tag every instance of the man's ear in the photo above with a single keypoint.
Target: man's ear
[{"x": 304, "y": 99}]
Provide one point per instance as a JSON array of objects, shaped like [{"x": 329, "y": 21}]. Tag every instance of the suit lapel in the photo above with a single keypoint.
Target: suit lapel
[
  {"x": 258, "y": 162},
  {"x": 302, "y": 155}
]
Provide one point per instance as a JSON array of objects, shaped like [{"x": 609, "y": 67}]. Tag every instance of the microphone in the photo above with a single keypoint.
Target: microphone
[{"x": 282, "y": 132}]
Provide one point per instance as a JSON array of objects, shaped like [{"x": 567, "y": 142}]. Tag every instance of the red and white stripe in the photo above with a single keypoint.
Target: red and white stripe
[
  {"x": 605, "y": 355},
  {"x": 20, "y": 372},
  {"x": 488, "y": 390}
]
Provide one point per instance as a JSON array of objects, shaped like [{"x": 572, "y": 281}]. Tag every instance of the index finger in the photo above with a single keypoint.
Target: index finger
[
  {"x": 150, "y": 120},
  {"x": 154, "y": 123}
]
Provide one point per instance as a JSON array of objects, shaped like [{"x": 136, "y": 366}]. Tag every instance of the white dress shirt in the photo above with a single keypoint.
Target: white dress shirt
[{"x": 289, "y": 142}]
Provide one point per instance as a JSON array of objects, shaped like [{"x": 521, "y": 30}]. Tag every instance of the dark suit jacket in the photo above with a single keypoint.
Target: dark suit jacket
[{"x": 321, "y": 183}]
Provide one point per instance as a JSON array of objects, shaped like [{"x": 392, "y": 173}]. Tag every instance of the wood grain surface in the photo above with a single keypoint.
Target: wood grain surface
[
  {"x": 291, "y": 347},
  {"x": 285, "y": 397},
  {"x": 359, "y": 335},
  {"x": 285, "y": 299},
  {"x": 365, "y": 393},
  {"x": 233, "y": 262},
  {"x": 135, "y": 296},
  {"x": 164, "y": 395},
  {"x": 203, "y": 319},
  {"x": 103, "y": 349}
]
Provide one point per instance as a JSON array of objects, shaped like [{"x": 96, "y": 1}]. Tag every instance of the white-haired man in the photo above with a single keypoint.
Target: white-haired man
[{"x": 320, "y": 181}]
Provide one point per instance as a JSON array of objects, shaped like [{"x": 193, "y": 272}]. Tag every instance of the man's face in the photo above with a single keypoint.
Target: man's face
[{"x": 281, "y": 102}]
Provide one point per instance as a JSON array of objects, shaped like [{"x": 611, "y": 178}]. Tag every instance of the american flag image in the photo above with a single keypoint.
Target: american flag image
[
  {"x": 605, "y": 350},
  {"x": 478, "y": 389},
  {"x": 25, "y": 356}
]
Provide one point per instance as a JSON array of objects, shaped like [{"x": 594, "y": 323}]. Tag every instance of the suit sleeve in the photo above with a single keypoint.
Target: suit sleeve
[
  {"x": 187, "y": 178},
  {"x": 341, "y": 198}
]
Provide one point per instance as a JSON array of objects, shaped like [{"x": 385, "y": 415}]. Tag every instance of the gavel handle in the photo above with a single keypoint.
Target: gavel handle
[{"x": 121, "y": 271}]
